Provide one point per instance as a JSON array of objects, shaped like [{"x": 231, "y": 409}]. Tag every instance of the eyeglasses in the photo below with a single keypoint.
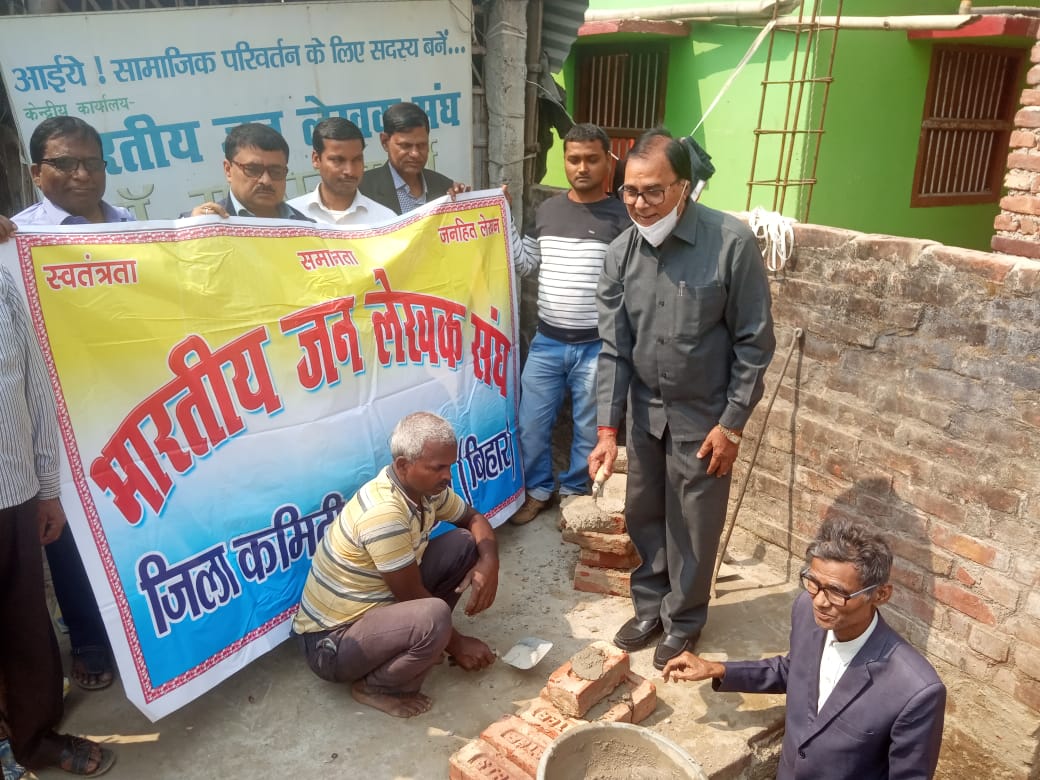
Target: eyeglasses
[
  {"x": 654, "y": 196},
  {"x": 69, "y": 165},
  {"x": 835, "y": 597},
  {"x": 256, "y": 171}
]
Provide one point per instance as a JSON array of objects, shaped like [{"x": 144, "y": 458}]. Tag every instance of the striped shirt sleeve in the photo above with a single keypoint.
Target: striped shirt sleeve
[{"x": 28, "y": 420}]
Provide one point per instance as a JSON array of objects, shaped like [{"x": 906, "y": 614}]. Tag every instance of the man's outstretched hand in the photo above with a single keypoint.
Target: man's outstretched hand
[{"x": 687, "y": 666}]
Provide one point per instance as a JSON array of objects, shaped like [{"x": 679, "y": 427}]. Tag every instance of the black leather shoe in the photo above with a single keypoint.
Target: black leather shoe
[
  {"x": 670, "y": 646},
  {"x": 637, "y": 634}
]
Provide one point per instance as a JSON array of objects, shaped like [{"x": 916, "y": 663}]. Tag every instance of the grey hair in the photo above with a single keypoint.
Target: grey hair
[
  {"x": 844, "y": 540},
  {"x": 412, "y": 433}
]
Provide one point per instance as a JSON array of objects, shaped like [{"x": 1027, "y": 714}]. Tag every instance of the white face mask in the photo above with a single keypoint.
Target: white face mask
[{"x": 656, "y": 233}]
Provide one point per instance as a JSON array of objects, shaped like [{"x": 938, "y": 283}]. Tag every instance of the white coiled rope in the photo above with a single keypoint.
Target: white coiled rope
[{"x": 778, "y": 233}]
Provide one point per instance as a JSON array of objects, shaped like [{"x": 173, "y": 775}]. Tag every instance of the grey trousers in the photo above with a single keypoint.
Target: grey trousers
[
  {"x": 675, "y": 514},
  {"x": 393, "y": 647}
]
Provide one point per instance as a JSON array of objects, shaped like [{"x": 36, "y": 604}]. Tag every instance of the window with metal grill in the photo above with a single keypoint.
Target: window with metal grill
[
  {"x": 968, "y": 118},
  {"x": 621, "y": 89}
]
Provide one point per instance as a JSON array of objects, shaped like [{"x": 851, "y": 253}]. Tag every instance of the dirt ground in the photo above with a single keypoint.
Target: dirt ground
[{"x": 275, "y": 719}]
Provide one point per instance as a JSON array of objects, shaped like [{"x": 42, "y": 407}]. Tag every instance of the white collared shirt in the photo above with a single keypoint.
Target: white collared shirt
[
  {"x": 836, "y": 659},
  {"x": 363, "y": 210}
]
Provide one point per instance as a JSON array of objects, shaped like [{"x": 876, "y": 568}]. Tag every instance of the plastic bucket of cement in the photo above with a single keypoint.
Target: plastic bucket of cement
[{"x": 616, "y": 751}]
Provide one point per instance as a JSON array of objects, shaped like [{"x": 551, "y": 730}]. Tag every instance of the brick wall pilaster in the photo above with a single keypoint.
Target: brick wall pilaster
[{"x": 1017, "y": 227}]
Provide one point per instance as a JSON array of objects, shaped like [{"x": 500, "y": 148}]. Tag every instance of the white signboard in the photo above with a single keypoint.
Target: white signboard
[{"x": 164, "y": 87}]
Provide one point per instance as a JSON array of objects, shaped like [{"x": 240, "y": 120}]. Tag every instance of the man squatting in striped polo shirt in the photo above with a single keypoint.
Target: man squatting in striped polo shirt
[
  {"x": 377, "y": 604},
  {"x": 567, "y": 247}
]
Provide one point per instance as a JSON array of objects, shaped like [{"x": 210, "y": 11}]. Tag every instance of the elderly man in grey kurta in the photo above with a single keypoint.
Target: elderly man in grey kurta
[{"x": 684, "y": 316}]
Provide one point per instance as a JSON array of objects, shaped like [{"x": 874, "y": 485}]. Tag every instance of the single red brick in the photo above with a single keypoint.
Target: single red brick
[
  {"x": 609, "y": 582},
  {"x": 573, "y": 696},
  {"x": 1027, "y": 160},
  {"x": 1020, "y": 180},
  {"x": 585, "y": 515},
  {"x": 1005, "y": 222},
  {"x": 964, "y": 601},
  {"x": 602, "y": 560},
  {"x": 1016, "y": 246},
  {"x": 1028, "y": 692},
  {"x": 963, "y": 576},
  {"x": 644, "y": 697},
  {"x": 1028, "y": 117},
  {"x": 1027, "y": 660},
  {"x": 617, "y": 544},
  {"x": 619, "y": 713},
  {"x": 544, "y": 716},
  {"x": 477, "y": 760},
  {"x": 989, "y": 643},
  {"x": 1023, "y": 139},
  {"x": 1021, "y": 204},
  {"x": 518, "y": 740},
  {"x": 966, "y": 547},
  {"x": 633, "y": 701}
]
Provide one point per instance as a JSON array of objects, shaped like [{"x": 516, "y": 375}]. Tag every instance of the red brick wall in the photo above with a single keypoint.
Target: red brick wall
[
  {"x": 1017, "y": 227},
  {"x": 914, "y": 404}
]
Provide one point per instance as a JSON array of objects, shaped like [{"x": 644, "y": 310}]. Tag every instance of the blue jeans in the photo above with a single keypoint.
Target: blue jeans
[{"x": 552, "y": 368}]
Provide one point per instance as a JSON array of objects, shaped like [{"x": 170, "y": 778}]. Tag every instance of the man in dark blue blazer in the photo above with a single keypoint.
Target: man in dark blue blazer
[
  {"x": 256, "y": 163},
  {"x": 403, "y": 182},
  {"x": 861, "y": 702}
]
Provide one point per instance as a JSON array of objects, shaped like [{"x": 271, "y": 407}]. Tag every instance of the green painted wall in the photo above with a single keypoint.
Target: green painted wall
[
  {"x": 869, "y": 152},
  {"x": 698, "y": 68},
  {"x": 869, "y": 148}
]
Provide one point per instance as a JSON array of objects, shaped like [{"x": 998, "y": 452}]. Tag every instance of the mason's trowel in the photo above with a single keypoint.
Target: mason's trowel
[
  {"x": 526, "y": 653},
  {"x": 598, "y": 482}
]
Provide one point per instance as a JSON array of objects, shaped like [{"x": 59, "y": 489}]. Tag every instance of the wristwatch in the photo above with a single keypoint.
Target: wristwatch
[{"x": 733, "y": 436}]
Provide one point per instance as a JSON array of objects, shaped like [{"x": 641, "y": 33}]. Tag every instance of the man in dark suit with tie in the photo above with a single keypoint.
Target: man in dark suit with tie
[
  {"x": 861, "y": 702},
  {"x": 403, "y": 182},
  {"x": 256, "y": 163}
]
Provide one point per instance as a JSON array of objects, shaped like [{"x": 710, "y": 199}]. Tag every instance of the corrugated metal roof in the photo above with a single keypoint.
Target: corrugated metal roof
[{"x": 560, "y": 22}]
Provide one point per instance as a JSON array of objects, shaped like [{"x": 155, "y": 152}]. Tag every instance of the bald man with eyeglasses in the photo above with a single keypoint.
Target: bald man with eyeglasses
[
  {"x": 862, "y": 703},
  {"x": 686, "y": 337},
  {"x": 256, "y": 164}
]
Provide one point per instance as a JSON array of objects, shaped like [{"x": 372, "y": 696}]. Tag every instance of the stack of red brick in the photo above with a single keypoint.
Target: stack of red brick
[
  {"x": 598, "y": 526},
  {"x": 511, "y": 748}
]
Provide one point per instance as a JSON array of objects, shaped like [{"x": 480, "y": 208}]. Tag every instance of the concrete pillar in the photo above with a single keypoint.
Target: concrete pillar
[{"x": 505, "y": 72}]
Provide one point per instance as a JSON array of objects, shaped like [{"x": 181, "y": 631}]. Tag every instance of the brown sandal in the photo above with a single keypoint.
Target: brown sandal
[{"x": 76, "y": 755}]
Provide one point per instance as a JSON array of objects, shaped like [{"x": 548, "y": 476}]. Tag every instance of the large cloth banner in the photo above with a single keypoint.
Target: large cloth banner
[
  {"x": 163, "y": 87},
  {"x": 223, "y": 387}
]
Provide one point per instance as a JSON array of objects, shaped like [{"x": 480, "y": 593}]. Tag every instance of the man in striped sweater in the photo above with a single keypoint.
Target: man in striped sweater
[{"x": 567, "y": 247}]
